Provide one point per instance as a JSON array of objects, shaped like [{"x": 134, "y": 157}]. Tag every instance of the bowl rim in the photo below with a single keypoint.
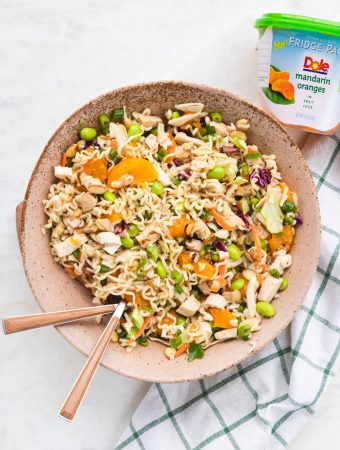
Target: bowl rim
[{"x": 284, "y": 322}]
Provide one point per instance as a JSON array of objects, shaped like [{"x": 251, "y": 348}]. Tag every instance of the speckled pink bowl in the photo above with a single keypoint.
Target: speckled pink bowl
[{"x": 54, "y": 290}]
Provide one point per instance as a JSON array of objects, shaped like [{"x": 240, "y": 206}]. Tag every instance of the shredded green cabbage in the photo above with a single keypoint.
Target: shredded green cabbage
[{"x": 271, "y": 212}]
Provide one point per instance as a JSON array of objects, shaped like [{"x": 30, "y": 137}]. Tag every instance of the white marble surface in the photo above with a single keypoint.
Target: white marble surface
[{"x": 54, "y": 57}]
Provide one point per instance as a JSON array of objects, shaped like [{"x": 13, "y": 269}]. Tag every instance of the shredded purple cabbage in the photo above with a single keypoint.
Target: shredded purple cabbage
[
  {"x": 245, "y": 220},
  {"x": 178, "y": 162},
  {"x": 262, "y": 177},
  {"x": 220, "y": 246},
  {"x": 120, "y": 227},
  {"x": 185, "y": 175},
  {"x": 298, "y": 219}
]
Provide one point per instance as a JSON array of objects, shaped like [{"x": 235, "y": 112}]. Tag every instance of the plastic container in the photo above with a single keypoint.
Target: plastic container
[{"x": 298, "y": 71}]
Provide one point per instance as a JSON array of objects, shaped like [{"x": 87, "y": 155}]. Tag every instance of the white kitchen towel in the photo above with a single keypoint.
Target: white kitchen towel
[{"x": 263, "y": 402}]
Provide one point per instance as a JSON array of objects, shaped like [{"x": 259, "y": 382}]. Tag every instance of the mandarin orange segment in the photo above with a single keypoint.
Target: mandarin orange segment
[
  {"x": 114, "y": 216},
  {"x": 141, "y": 169},
  {"x": 283, "y": 240},
  {"x": 204, "y": 269},
  {"x": 177, "y": 229},
  {"x": 184, "y": 259},
  {"x": 274, "y": 75},
  {"x": 286, "y": 88},
  {"x": 96, "y": 168},
  {"x": 222, "y": 318}
]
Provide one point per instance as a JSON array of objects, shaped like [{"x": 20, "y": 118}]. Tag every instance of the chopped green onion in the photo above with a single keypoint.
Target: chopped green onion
[
  {"x": 117, "y": 115},
  {"x": 153, "y": 252},
  {"x": 244, "y": 331},
  {"x": 244, "y": 172},
  {"x": 147, "y": 308},
  {"x": 104, "y": 268},
  {"x": 176, "y": 276},
  {"x": 179, "y": 289},
  {"x": 204, "y": 214},
  {"x": 161, "y": 154},
  {"x": 103, "y": 282},
  {"x": 264, "y": 245},
  {"x": 160, "y": 269},
  {"x": 288, "y": 207},
  {"x": 113, "y": 155},
  {"x": 215, "y": 257},
  {"x": 216, "y": 117},
  {"x": 76, "y": 253},
  {"x": 140, "y": 276},
  {"x": 142, "y": 264},
  {"x": 154, "y": 131},
  {"x": 205, "y": 250},
  {"x": 137, "y": 318},
  {"x": 104, "y": 121},
  {"x": 254, "y": 155},
  {"x": 142, "y": 340},
  {"x": 176, "y": 181},
  {"x": 275, "y": 273},
  {"x": 135, "y": 132}
]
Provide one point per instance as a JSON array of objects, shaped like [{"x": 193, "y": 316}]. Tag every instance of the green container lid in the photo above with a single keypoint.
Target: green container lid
[{"x": 299, "y": 23}]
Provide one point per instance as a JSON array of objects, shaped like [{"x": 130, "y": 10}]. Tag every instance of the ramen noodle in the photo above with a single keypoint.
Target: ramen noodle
[{"x": 179, "y": 215}]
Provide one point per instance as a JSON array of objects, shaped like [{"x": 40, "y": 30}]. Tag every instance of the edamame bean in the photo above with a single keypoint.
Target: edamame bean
[
  {"x": 127, "y": 242},
  {"x": 160, "y": 269},
  {"x": 266, "y": 309},
  {"x": 109, "y": 196},
  {"x": 176, "y": 276},
  {"x": 87, "y": 134},
  {"x": 237, "y": 284},
  {"x": 174, "y": 115},
  {"x": 216, "y": 117},
  {"x": 133, "y": 231},
  {"x": 157, "y": 188},
  {"x": 284, "y": 284},
  {"x": 153, "y": 252},
  {"x": 217, "y": 173},
  {"x": 234, "y": 252},
  {"x": 215, "y": 257},
  {"x": 135, "y": 130}
]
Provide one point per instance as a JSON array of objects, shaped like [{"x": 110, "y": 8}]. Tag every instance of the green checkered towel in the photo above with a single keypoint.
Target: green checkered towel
[{"x": 264, "y": 402}]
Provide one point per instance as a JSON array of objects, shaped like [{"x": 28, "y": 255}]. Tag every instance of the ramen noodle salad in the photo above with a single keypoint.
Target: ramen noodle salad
[{"x": 181, "y": 216}]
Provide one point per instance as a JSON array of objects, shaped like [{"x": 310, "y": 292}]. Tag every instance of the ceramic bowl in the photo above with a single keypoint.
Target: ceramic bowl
[{"x": 54, "y": 289}]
